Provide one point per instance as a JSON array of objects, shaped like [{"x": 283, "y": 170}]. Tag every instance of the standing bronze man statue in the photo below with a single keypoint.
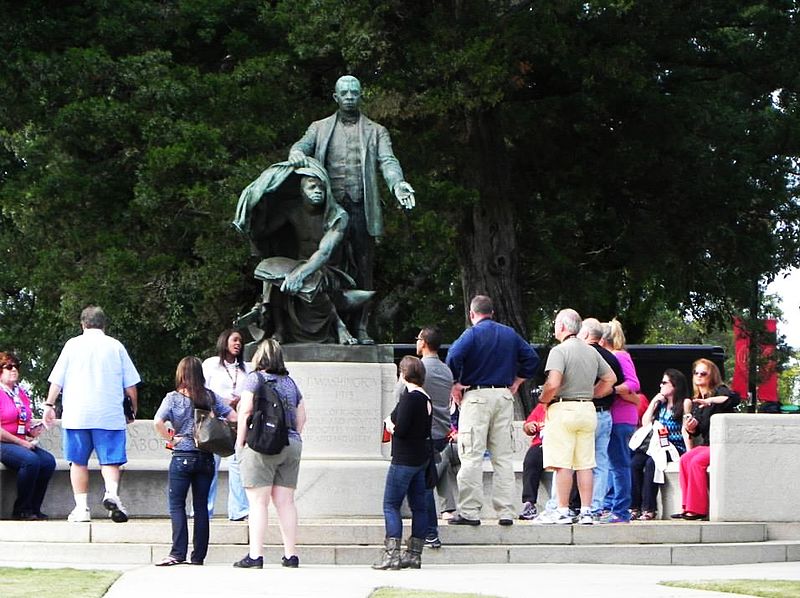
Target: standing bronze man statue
[{"x": 351, "y": 147}]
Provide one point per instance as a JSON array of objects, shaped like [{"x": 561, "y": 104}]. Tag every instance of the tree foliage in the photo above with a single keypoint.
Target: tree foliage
[{"x": 621, "y": 157}]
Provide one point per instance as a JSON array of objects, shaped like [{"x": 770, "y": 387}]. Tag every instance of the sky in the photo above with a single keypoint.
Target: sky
[{"x": 789, "y": 290}]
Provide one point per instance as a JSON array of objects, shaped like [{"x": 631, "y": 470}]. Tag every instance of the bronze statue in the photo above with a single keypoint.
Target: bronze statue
[
  {"x": 294, "y": 223},
  {"x": 351, "y": 147}
]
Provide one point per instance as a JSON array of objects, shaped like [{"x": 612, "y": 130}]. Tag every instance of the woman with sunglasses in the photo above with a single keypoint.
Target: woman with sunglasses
[
  {"x": 709, "y": 397},
  {"x": 667, "y": 407},
  {"x": 18, "y": 444}
]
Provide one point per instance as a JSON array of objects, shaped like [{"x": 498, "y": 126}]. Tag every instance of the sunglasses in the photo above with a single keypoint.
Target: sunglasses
[
  {"x": 701, "y": 374},
  {"x": 11, "y": 366}
]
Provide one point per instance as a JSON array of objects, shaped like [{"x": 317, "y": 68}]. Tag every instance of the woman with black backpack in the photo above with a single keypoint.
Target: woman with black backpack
[{"x": 268, "y": 445}]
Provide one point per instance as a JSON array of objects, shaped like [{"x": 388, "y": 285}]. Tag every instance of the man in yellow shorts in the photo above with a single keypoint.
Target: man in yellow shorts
[{"x": 575, "y": 374}]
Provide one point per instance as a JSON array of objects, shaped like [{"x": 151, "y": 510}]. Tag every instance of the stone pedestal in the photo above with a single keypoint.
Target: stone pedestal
[
  {"x": 348, "y": 391},
  {"x": 755, "y": 467}
]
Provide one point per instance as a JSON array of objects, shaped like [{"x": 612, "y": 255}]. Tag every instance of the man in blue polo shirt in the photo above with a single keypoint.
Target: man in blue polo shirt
[{"x": 489, "y": 361}]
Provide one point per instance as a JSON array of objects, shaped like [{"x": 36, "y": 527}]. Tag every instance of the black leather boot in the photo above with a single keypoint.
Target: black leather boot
[
  {"x": 390, "y": 556},
  {"x": 412, "y": 557}
]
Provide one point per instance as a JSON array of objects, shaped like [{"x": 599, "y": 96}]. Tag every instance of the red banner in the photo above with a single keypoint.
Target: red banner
[
  {"x": 767, "y": 376},
  {"x": 741, "y": 347}
]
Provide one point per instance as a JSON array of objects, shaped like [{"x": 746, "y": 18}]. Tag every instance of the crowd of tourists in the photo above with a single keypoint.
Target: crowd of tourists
[{"x": 609, "y": 447}]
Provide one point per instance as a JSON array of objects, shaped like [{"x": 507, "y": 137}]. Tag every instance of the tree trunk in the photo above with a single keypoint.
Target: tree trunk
[{"x": 487, "y": 248}]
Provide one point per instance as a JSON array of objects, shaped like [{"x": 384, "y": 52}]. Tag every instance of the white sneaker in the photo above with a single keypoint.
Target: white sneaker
[
  {"x": 116, "y": 511},
  {"x": 553, "y": 517},
  {"x": 586, "y": 519},
  {"x": 79, "y": 515}
]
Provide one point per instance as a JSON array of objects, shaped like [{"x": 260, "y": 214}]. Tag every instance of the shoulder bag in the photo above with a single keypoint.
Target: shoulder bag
[{"x": 213, "y": 434}]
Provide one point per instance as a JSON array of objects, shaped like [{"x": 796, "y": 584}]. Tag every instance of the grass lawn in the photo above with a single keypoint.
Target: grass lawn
[
  {"x": 402, "y": 593},
  {"x": 75, "y": 583},
  {"x": 772, "y": 588}
]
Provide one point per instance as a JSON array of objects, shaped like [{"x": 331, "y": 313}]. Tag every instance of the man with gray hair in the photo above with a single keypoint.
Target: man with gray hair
[
  {"x": 575, "y": 374},
  {"x": 351, "y": 146},
  {"x": 591, "y": 332},
  {"x": 95, "y": 374}
]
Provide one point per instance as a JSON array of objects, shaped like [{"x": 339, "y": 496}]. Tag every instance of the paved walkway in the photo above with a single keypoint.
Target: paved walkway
[{"x": 507, "y": 581}]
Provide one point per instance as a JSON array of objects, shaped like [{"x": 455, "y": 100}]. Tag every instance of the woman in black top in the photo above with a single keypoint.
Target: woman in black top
[{"x": 410, "y": 425}]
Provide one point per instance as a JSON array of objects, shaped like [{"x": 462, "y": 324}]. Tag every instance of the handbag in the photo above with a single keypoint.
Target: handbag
[
  {"x": 431, "y": 474},
  {"x": 640, "y": 440},
  {"x": 212, "y": 434},
  {"x": 431, "y": 471}
]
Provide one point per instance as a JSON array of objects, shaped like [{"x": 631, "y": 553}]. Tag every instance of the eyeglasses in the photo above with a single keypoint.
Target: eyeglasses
[
  {"x": 701, "y": 374},
  {"x": 11, "y": 366}
]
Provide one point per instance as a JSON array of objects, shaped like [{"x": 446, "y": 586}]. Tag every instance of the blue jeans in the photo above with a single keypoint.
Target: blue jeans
[
  {"x": 402, "y": 480},
  {"x": 187, "y": 469},
  {"x": 618, "y": 499},
  {"x": 238, "y": 507},
  {"x": 34, "y": 469},
  {"x": 602, "y": 436}
]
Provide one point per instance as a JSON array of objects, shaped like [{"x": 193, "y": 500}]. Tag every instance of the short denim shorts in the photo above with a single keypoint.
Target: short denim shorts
[{"x": 109, "y": 445}]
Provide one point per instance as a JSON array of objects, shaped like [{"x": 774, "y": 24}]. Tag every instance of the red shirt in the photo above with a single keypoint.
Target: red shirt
[{"x": 537, "y": 416}]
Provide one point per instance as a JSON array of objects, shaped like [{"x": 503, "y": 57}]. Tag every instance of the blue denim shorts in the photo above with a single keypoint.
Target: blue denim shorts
[{"x": 108, "y": 444}]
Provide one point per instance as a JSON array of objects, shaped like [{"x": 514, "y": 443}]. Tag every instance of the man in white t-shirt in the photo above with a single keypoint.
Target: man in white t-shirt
[{"x": 94, "y": 374}]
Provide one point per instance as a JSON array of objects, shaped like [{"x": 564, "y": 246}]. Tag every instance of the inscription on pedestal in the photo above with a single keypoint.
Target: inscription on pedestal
[{"x": 344, "y": 402}]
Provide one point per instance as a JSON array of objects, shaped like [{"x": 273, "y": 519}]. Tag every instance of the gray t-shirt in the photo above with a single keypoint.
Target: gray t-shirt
[
  {"x": 580, "y": 366},
  {"x": 438, "y": 384}
]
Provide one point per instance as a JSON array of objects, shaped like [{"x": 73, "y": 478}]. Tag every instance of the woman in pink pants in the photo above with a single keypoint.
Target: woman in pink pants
[{"x": 710, "y": 397}]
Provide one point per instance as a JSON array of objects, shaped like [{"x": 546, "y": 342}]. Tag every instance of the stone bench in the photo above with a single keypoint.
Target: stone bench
[
  {"x": 143, "y": 484},
  {"x": 750, "y": 454}
]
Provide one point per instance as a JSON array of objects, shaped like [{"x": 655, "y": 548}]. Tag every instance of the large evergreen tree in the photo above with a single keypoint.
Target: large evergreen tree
[{"x": 616, "y": 156}]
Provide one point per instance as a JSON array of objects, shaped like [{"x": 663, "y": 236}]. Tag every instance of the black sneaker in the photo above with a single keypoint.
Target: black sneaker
[
  {"x": 433, "y": 542},
  {"x": 293, "y": 562},
  {"x": 459, "y": 520},
  {"x": 248, "y": 563}
]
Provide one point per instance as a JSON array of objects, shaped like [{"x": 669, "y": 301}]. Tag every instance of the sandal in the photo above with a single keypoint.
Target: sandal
[
  {"x": 169, "y": 561},
  {"x": 647, "y": 516}
]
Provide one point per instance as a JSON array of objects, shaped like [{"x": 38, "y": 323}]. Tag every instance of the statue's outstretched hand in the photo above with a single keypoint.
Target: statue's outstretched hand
[
  {"x": 297, "y": 159},
  {"x": 293, "y": 282},
  {"x": 405, "y": 195}
]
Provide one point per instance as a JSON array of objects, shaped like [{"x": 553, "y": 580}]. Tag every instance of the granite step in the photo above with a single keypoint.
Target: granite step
[
  {"x": 314, "y": 554},
  {"x": 357, "y": 541},
  {"x": 371, "y": 532}
]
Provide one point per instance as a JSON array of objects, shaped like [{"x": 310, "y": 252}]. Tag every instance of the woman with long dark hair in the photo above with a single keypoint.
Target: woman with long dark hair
[
  {"x": 667, "y": 407},
  {"x": 225, "y": 373},
  {"x": 189, "y": 467},
  {"x": 709, "y": 397}
]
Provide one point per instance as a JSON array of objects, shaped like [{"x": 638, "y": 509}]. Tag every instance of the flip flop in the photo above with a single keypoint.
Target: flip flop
[{"x": 169, "y": 561}]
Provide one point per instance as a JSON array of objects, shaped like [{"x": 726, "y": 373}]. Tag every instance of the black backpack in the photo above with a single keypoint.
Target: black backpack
[{"x": 267, "y": 430}]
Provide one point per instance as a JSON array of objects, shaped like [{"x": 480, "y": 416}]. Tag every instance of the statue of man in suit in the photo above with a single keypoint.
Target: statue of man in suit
[{"x": 352, "y": 147}]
